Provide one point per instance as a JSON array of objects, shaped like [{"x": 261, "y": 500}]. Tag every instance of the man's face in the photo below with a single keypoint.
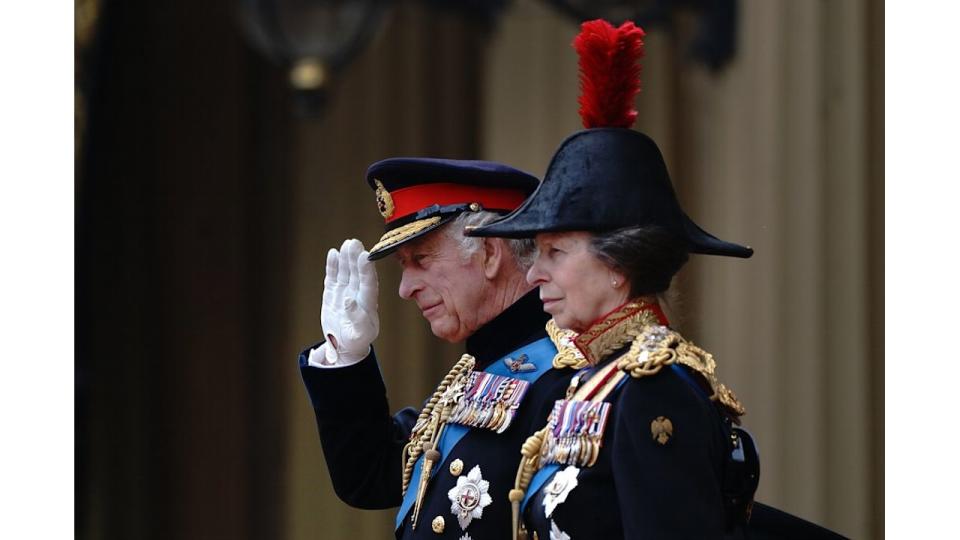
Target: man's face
[{"x": 448, "y": 288}]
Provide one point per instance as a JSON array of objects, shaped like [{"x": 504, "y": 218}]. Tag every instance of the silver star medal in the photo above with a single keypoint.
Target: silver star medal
[
  {"x": 557, "y": 490},
  {"x": 469, "y": 497},
  {"x": 556, "y": 533},
  {"x": 466, "y": 536}
]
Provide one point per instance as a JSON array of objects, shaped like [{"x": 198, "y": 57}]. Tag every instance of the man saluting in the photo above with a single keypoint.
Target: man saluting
[{"x": 450, "y": 465}]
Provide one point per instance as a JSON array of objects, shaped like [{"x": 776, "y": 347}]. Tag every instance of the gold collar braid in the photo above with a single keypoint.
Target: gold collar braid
[
  {"x": 568, "y": 355},
  {"x": 616, "y": 330}
]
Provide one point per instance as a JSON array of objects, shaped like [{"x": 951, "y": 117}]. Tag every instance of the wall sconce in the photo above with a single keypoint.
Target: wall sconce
[{"x": 314, "y": 39}]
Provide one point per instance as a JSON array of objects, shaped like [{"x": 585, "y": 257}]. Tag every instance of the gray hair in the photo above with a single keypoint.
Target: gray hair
[{"x": 523, "y": 249}]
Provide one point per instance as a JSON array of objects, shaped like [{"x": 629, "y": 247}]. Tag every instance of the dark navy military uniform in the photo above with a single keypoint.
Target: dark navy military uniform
[
  {"x": 362, "y": 442},
  {"x": 639, "y": 488},
  {"x": 664, "y": 447}
]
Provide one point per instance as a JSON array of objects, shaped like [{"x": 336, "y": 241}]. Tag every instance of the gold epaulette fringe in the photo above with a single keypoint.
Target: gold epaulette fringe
[{"x": 651, "y": 351}]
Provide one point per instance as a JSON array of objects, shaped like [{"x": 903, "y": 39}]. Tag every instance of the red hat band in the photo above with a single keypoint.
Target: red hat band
[{"x": 412, "y": 199}]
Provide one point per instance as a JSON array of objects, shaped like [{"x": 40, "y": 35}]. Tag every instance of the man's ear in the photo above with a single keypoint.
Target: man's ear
[{"x": 494, "y": 253}]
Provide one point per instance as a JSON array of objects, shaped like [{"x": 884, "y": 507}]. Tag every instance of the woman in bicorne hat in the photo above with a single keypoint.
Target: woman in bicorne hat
[{"x": 645, "y": 445}]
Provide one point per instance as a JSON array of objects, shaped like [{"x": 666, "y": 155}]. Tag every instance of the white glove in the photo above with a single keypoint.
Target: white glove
[{"x": 349, "y": 314}]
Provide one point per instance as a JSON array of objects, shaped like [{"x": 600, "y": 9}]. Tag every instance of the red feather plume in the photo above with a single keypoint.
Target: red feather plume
[{"x": 609, "y": 72}]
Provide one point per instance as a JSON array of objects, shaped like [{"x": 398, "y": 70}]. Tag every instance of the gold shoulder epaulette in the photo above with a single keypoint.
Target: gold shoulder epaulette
[
  {"x": 568, "y": 355},
  {"x": 659, "y": 346}
]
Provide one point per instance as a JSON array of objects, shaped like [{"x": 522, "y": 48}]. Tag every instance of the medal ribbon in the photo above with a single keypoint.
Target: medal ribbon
[{"x": 589, "y": 391}]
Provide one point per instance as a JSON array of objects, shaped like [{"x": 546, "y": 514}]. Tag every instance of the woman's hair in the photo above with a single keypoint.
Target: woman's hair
[{"x": 648, "y": 256}]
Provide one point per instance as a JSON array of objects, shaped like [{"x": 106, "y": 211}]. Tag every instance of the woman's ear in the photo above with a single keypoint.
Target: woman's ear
[{"x": 617, "y": 279}]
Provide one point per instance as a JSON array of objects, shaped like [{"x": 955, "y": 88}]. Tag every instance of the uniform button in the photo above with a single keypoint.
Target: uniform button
[
  {"x": 456, "y": 467},
  {"x": 438, "y": 524}
]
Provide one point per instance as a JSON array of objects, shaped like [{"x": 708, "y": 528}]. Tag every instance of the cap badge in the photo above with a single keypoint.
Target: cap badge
[{"x": 384, "y": 200}]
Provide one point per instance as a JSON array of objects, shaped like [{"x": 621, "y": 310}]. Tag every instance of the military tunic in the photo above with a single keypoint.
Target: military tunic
[
  {"x": 660, "y": 467},
  {"x": 363, "y": 443}
]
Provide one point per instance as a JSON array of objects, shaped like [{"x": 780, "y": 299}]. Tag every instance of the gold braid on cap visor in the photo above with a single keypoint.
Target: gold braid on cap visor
[{"x": 403, "y": 232}]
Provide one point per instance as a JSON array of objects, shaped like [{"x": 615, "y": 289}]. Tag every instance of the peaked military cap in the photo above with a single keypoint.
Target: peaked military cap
[{"x": 418, "y": 195}]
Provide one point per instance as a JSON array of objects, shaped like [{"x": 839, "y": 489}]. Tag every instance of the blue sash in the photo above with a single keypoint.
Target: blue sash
[{"x": 541, "y": 352}]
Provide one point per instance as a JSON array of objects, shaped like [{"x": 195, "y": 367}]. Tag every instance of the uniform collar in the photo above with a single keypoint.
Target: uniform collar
[
  {"x": 521, "y": 323},
  {"x": 616, "y": 329}
]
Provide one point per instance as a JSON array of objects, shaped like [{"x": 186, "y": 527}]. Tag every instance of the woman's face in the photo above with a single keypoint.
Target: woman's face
[{"x": 576, "y": 287}]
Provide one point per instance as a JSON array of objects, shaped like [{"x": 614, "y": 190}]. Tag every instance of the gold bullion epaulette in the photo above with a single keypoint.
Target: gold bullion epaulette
[{"x": 658, "y": 346}]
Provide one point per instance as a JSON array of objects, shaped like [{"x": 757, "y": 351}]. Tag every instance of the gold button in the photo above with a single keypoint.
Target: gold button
[
  {"x": 456, "y": 467},
  {"x": 474, "y": 207},
  {"x": 438, "y": 524}
]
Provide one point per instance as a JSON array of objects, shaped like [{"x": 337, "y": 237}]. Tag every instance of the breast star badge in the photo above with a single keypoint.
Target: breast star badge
[
  {"x": 557, "y": 490},
  {"x": 469, "y": 497}
]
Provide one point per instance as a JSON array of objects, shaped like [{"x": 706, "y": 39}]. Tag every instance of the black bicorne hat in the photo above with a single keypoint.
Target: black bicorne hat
[{"x": 606, "y": 178}]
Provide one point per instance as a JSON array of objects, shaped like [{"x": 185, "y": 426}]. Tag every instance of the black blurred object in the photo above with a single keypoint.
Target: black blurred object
[
  {"x": 315, "y": 39},
  {"x": 741, "y": 475},
  {"x": 484, "y": 11},
  {"x": 714, "y": 44},
  {"x": 769, "y": 523}
]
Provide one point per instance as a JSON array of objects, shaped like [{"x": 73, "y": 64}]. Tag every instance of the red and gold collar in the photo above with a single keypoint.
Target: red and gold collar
[{"x": 618, "y": 328}]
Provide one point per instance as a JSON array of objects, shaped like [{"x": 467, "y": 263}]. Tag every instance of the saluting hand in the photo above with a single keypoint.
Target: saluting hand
[{"x": 349, "y": 314}]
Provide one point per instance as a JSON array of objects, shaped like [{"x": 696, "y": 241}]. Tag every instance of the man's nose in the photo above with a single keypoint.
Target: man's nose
[{"x": 409, "y": 285}]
